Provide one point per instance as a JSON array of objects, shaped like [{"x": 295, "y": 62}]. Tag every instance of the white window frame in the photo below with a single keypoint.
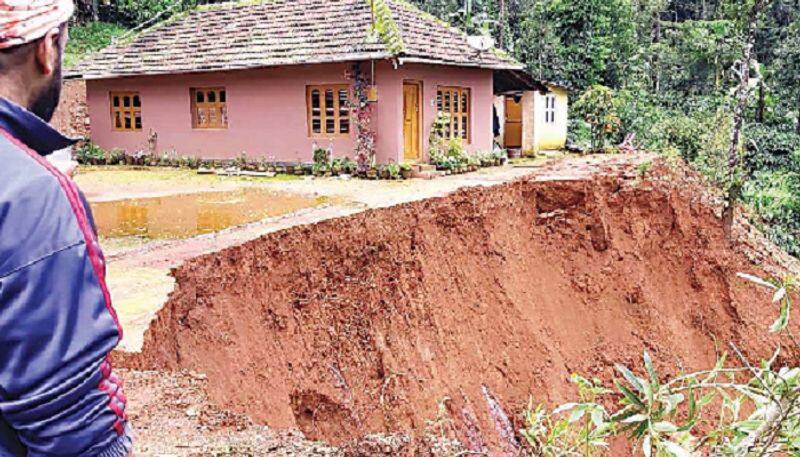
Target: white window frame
[{"x": 550, "y": 109}]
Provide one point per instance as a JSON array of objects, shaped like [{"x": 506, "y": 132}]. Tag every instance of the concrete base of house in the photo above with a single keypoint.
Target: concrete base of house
[{"x": 426, "y": 171}]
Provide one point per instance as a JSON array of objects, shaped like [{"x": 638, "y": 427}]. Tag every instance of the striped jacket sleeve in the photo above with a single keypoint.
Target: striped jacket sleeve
[{"x": 58, "y": 392}]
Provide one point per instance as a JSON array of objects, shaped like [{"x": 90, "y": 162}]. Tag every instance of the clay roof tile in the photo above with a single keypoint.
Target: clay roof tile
[{"x": 261, "y": 33}]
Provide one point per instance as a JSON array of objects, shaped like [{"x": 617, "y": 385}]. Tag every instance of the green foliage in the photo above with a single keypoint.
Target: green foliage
[
  {"x": 139, "y": 11},
  {"x": 90, "y": 153},
  {"x": 583, "y": 431},
  {"x": 775, "y": 198},
  {"x": 386, "y": 27},
  {"x": 85, "y": 39},
  {"x": 392, "y": 170},
  {"x": 322, "y": 156},
  {"x": 744, "y": 410},
  {"x": 584, "y": 42},
  {"x": 771, "y": 148},
  {"x": 344, "y": 165},
  {"x": 599, "y": 108},
  {"x": 449, "y": 154}
]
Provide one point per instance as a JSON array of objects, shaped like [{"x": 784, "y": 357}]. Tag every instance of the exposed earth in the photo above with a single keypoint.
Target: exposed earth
[{"x": 409, "y": 318}]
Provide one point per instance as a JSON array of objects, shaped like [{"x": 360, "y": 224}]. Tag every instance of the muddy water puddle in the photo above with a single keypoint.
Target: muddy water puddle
[{"x": 188, "y": 215}]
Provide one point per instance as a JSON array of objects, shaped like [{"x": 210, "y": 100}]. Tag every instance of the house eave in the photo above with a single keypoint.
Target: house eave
[
  {"x": 70, "y": 74},
  {"x": 423, "y": 60}
]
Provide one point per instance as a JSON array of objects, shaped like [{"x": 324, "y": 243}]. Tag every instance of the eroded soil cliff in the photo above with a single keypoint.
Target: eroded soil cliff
[{"x": 475, "y": 302}]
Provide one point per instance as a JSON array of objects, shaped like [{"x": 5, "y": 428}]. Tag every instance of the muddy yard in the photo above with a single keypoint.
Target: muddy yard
[{"x": 382, "y": 317}]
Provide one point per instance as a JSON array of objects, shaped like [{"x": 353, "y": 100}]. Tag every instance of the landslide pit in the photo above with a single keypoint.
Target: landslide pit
[{"x": 475, "y": 301}]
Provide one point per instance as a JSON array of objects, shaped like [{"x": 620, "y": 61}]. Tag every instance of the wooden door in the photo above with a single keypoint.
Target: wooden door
[
  {"x": 411, "y": 120},
  {"x": 513, "y": 128}
]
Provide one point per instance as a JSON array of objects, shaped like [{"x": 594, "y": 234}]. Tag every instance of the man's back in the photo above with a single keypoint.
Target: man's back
[{"x": 57, "y": 393}]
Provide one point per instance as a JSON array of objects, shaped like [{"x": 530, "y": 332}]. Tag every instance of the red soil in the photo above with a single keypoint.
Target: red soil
[{"x": 479, "y": 300}]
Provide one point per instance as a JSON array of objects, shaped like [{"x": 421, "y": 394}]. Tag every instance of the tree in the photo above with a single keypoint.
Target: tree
[
  {"x": 742, "y": 93},
  {"x": 787, "y": 72},
  {"x": 598, "y": 106}
]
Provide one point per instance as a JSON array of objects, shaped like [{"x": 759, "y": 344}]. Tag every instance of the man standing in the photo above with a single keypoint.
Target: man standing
[{"x": 58, "y": 395}]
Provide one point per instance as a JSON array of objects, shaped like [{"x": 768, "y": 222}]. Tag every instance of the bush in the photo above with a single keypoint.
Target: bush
[
  {"x": 437, "y": 142},
  {"x": 683, "y": 133},
  {"x": 136, "y": 12},
  {"x": 598, "y": 107},
  {"x": 771, "y": 148},
  {"x": 90, "y": 154},
  {"x": 579, "y": 133},
  {"x": 775, "y": 198},
  {"x": 322, "y": 156},
  {"x": 85, "y": 39}
]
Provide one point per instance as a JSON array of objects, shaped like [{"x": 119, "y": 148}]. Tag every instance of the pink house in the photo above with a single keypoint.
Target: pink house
[{"x": 272, "y": 78}]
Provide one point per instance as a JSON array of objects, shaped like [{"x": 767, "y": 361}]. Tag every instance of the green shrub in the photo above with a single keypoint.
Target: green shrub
[
  {"x": 598, "y": 107},
  {"x": 90, "y": 154},
  {"x": 579, "y": 133},
  {"x": 437, "y": 141},
  {"x": 393, "y": 170},
  {"x": 322, "y": 156},
  {"x": 139, "y": 11},
  {"x": 456, "y": 151},
  {"x": 775, "y": 198},
  {"x": 85, "y": 39},
  {"x": 771, "y": 148}
]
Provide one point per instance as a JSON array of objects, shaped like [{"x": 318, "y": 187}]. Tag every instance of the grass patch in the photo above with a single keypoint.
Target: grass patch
[{"x": 89, "y": 38}]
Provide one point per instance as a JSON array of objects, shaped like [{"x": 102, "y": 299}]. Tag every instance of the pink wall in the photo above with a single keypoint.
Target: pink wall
[
  {"x": 267, "y": 110},
  {"x": 390, "y": 105}
]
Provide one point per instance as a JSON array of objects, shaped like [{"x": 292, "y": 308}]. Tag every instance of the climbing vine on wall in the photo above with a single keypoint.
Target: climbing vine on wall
[{"x": 361, "y": 111}]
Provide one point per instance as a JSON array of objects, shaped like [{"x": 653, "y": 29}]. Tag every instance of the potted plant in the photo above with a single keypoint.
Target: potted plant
[
  {"x": 391, "y": 171},
  {"x": 336, "y": 167},
  {"x": 115, "y": 156},
  {"x": 320, "y": 169},
  {"x": 348, "y": 166},
  {"x": 406, "y": 171}
]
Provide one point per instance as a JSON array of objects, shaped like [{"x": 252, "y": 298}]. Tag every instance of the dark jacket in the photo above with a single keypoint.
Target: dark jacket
[{"x": 58, "y": 395}]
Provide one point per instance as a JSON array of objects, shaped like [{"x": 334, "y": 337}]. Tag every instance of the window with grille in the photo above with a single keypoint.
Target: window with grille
[
  {"x": 328, "y": 110},
  {"x": 456, "y": 102},
  {"x": 209, "y": 108},
  {"x": 550, "y": 109},
  {"x": 126, "y": 111}
]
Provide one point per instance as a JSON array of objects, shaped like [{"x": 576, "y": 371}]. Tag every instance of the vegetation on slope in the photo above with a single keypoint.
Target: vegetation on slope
[{"x": 88, "y": 38}]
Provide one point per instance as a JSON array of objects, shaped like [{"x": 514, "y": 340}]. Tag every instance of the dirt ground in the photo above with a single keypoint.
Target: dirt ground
[
  {"x": 437, "y": 317},
  {"x": 139, "y": 278}
]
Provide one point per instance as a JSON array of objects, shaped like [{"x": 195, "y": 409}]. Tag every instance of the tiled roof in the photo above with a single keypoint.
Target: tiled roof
[
  {"x": 264, "y": 33},
  {"x": 427, "y": 38}
]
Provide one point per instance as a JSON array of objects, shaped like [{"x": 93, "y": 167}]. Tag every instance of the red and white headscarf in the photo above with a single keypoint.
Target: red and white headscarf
[{"x": 23, "y": 21}]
